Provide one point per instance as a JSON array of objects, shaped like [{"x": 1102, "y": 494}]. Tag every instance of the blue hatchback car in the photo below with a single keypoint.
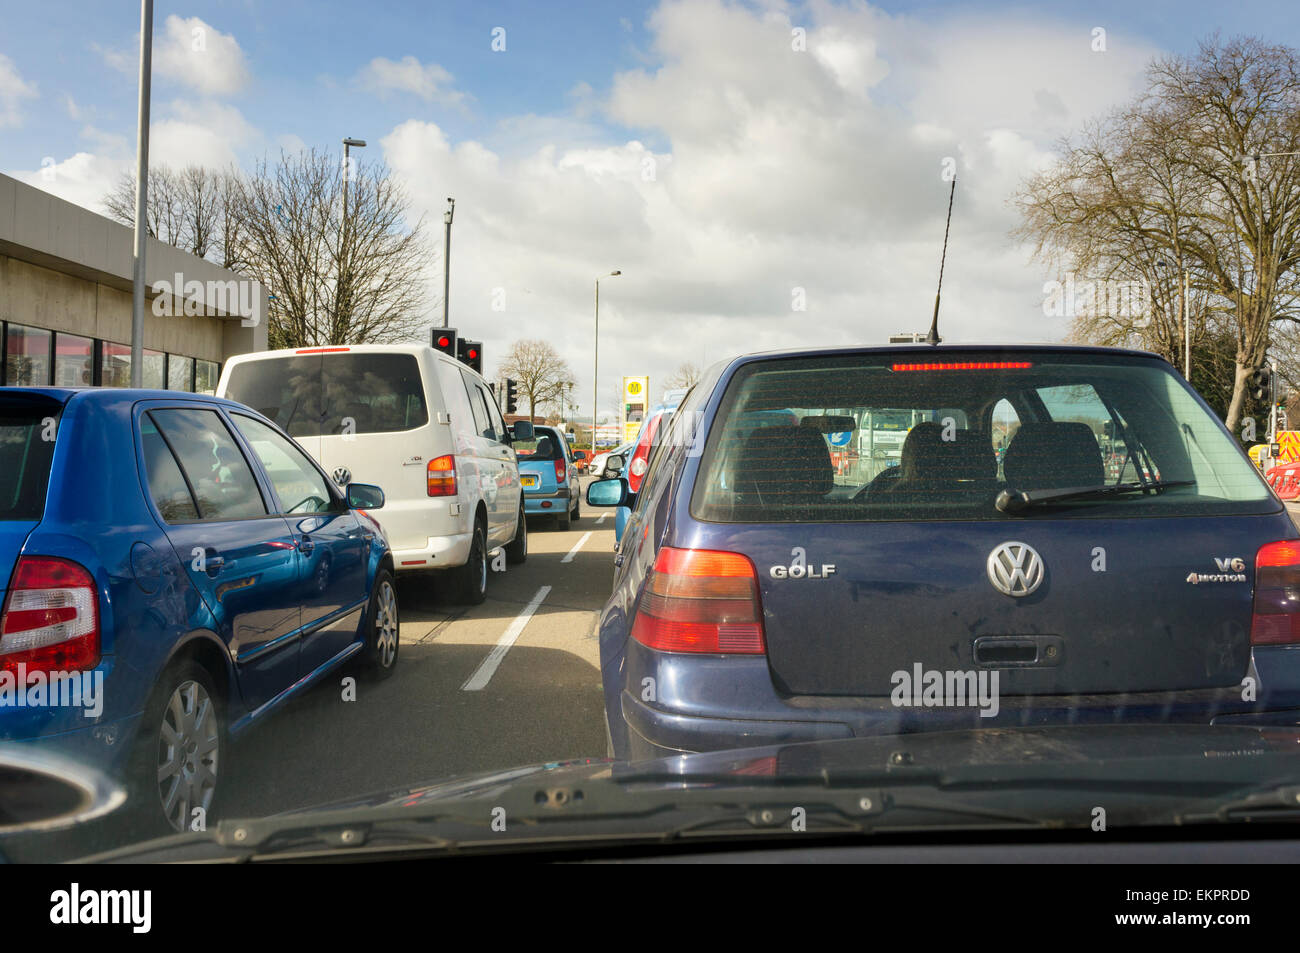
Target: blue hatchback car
[
  {"x": 764, "y": 595},
  {"x": 548, "y": 477},
  {"x": 174, "y": 567}
]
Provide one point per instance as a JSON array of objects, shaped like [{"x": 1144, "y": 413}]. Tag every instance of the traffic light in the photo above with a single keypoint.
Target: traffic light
[
  {"x": 445, "y": 340},
  {"x": 1259, "y": 382},
  {"x": 471, "y": 353},
  {"x": 512, "y": 393}
]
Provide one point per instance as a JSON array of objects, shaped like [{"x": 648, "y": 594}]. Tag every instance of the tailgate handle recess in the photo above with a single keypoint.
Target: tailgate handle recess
[{"x": 1018, "y": 651}]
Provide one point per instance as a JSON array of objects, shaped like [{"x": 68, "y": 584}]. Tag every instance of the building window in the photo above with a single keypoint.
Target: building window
[
  {"x": 180, "y": 372},
  {"x": 116, "y": 367},
  {"x": 27, "y": 356},
  {"x": 73, "y": 361},
  {"x": 205, "y": 377}
]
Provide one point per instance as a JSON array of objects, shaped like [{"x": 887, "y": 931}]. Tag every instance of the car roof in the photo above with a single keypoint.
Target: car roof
[
  {"x": 939, "y": 349},
  {"x": 108, "y": 396}
]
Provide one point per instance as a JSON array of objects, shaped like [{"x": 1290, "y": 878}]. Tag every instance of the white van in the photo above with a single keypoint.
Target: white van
[{"x": 413, "y": 421}]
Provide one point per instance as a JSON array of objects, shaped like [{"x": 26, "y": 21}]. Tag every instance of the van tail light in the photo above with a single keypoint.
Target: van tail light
[
  {"x": 561, "y": 470},
  {"x": 1275, "y": 619},
  {"x": 50, "y": 620},
  {"x": 699, "y": 600},
  {"x": 442, "y": 475}
]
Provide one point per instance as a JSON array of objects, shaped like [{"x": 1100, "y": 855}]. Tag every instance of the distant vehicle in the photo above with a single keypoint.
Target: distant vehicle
[
  {"x": 549, "y": 478},
  {"x": 203, "y": 571},
  {"x": 776, "y": 601},
  {"x": 417, "y": 422},
  {"x": 635, "y": 467},
  {"x": 580, "y": 461},
  {"x": 598, "y": 462}
]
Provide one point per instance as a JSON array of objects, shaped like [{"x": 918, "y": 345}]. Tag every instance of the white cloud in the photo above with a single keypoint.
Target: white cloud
[
  {"x": 13, "y": 90},
  {"x": 198, "y": 55},
  {"x": 428, "y": 81},
  {"x": 773, "y": 169},
  {"x": 205, "y": 133}
]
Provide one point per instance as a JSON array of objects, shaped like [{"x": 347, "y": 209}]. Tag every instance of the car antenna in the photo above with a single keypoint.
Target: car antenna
[{"x": 933, "y": 337}]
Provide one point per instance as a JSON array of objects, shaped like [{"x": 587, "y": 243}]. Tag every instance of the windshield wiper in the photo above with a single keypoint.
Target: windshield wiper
[{"x": 1013, "y": 501}]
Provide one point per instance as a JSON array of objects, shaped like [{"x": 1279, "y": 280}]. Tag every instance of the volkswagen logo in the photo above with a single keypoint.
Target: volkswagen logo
[
  {"x": 1015, "y": 569},
  {"x": 343, "y": 476}
]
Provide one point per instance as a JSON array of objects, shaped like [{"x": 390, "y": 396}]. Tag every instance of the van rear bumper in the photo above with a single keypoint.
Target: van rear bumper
[{"x": 441, "y": 552}]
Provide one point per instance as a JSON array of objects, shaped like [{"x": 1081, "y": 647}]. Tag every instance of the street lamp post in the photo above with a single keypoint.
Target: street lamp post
[
  {"x": 595, "y": 359},
  {"x": 348, "y": 144},
  {"x": 446, "y": 258},
  {"x": 141, "y": 194}
]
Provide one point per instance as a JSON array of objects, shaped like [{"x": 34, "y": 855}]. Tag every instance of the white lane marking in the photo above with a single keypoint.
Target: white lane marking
[
  {"x": 483, "y": 674},
  {"x": 576, "y": 546},
  {"x": 602, "y": 517}
]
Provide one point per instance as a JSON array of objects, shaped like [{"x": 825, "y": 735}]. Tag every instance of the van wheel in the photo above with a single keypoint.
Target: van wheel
[
  {"x": 180, "y": 753},
  {"x": 517, "y": 548},
  {"x": 379, "y": 657},
  {"x": 471, "y": 578}
]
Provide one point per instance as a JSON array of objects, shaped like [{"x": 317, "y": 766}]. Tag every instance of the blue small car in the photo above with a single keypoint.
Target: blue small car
[
  {"x": 764, "y": 595},
  {"x": 175, "y": 568},
  {"x": 548, "y": 476}
]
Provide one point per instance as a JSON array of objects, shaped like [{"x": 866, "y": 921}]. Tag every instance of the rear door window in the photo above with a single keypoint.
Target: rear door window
[
  {"x": 814, "y": 439},
  {"x": 214, "y": 467},
  {"x": 168, "y": 488},
  {"x": 27, "y": 435}
]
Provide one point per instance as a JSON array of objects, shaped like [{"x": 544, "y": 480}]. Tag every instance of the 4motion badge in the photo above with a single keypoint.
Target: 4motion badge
[{"x": 1231, "y": 569}]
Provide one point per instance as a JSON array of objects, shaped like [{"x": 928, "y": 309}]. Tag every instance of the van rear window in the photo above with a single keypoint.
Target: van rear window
[
  {"x": 892, "y": 437},
  {"x": 314, "y": 395},
  {"x": 26, "y": 450}
]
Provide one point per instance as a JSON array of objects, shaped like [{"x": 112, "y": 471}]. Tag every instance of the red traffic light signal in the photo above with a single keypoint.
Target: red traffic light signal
[
  {"x": 445, "y": 340},
  {"x": 471, "y": 353}
]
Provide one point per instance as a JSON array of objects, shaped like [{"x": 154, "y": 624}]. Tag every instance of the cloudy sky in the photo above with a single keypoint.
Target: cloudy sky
[{"x": 734, "y": 160}]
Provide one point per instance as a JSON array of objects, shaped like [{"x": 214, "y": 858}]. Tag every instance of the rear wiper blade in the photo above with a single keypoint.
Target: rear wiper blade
[{"x": 1013, "y": 501}]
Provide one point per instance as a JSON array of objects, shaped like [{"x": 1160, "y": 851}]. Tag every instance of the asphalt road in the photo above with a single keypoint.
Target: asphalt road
[{"x": 429, "y": 722}]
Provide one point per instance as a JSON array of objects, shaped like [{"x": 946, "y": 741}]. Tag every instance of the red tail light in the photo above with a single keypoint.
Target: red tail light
[
  {"x": 50, "y": 620},
  {"x": 561, "y": 470},
  {"x": 1275, "y": 619},
  {"x": 442, "y": 475},
  {"x": 698, "y": 600},
  {"x": 640, "y": 461}
]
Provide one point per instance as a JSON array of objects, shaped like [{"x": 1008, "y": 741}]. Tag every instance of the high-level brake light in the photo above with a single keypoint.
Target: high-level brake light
[{"x": 965, "y": 366}]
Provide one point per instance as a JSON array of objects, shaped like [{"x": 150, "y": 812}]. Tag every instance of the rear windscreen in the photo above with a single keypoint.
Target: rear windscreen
[
  {"x": 26, "y": 448},
  {"x": 545, "y": 445},
  {"x": 313, "y": 395},
  {"x": 901, "y": 437}
]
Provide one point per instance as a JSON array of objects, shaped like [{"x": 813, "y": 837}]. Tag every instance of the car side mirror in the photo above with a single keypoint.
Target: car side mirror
[
  {"x": 365, "y": 496},
  {"x": 608, "y": 492},
  {"x": 522, "y": 430},
  {"x": 614, "y": 463}
]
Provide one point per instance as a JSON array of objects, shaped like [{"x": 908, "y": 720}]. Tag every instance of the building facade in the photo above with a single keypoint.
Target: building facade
[{"x": 65, "y": 302}]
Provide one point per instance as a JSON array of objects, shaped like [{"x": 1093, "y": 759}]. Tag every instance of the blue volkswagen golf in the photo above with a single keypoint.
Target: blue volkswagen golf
[
  {"x": 997, "y": 576},
  {"x": 175, "y": 568}
]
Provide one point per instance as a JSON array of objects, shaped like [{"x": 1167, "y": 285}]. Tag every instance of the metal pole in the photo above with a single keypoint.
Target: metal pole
[
  {"x": 446, "y": 261},
  {"x": 141, "y": 194},
  {"x": 595, "y": 368}
]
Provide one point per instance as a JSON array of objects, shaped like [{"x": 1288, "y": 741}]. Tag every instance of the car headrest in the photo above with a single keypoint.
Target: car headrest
[
  {"x": 1052, "y": 456},
  {"x": 784, "y": 464},
  {"x": 544, "y": 448},
  {"x": 928, "y": 458}
]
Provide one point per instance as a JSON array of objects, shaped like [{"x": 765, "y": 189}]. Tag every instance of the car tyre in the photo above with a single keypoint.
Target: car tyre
[
  {"x": 562, "y": 520},
  {"x": 182, "y": 733},
  {"x": 471, "y": 578},
  {"x": 517, "y": 548},
  {"x": 383, "y": 635},
  {"x": 577, "y": 506}
]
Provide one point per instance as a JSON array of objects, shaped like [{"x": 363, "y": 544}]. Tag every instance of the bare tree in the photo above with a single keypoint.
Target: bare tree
[
  {"x": 539, "y": 371},
  {"x": 195, "y": 209},
  {"x": 1168, "y": 177},
  {"x": 687, "y": 375},
  {"x": 331, "y": 281}
]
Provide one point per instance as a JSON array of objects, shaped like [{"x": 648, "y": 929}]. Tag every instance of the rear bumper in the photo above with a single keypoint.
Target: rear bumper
[
  {"x": 105, "y": 746},
  {"x": 555, "y": 500},
  {"x": 441, "y": 552},
  {"x": 714, "y": 703}
]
